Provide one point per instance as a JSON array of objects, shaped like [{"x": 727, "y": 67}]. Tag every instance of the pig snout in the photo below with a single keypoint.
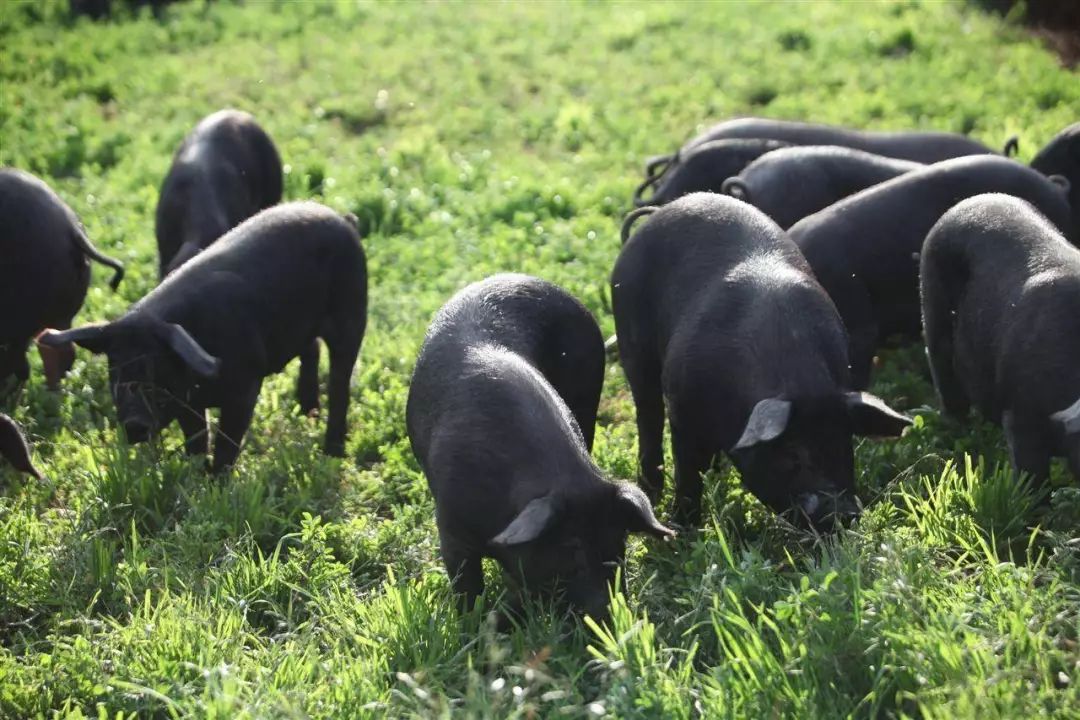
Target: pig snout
[
  {"x": 135, "y": 417},
  {"x": 137, "y": 429},
  {"x": 592, "y": 597},
  {"x": 593, "y": 603},
  {"x": 826, "y": 511}
]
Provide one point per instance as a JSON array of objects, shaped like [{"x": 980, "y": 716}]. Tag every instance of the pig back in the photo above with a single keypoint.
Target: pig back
[
  {"x": 282, "y": 278},
  {"x": 44, "y": 274}
]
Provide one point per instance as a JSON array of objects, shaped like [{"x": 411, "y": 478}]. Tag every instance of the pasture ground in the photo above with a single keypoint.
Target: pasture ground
[{"x": 471, "y": 139}]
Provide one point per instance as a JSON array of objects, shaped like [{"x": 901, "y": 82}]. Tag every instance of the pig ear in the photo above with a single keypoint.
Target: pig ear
[
  {"x": 635, "y": 507},
  {"x": 529, "y": 524},
  {"x": 767, "y": 421},
  {"x": 1069, "y": 419},
  {"x": 870, "y": 415},
  {"x": 202, "y": 362},
  {"x": 13, "y": 447},
  {"x": 95, "y": 338}
]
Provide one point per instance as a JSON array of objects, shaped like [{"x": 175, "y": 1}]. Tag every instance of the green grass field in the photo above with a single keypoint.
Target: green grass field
[{"x": 471, "y": 139}]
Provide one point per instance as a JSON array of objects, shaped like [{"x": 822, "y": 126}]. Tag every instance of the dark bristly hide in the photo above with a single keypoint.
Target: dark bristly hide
[
  {"x": 208, "y": 335},
  {"x": 1001, "y": 312},
  {"x": 44, "y": 274},
  {"x": 791, "y": 183},
  {"x": 226, "y": 170},
  {"x": 501, "y": 411},
  {"x": 864, "y": 250},
  {"x": 721, "y": 322}
]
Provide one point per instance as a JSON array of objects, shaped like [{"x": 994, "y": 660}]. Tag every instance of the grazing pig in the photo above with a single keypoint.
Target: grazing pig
[
  {"x": 44, "y": 273},
  {"x": 13, "y": 447},
  {"x": 865, "y": 249},
  {"x": 719, "y": 316},
  {"x": 1001, "y": 311},
  {"x": 789, "y": 184},
  {"x": 208, "y": 335},
  {"x": 500, "y": 415},
  {"x": 1061, "y": 157},
  {"x": 225, "y": 171},
  {"x": 918, "y": 146},
  {"x": 704, "y": 168}
]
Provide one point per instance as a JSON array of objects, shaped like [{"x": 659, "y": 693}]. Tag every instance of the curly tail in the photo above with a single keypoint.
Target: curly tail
[
  {"x": 92, "y": 252},
  {"x": 736, "y": 188},
  {"x": 655, "y": 169},
  {"x": 633, "y": 216},
  {"x": 659, "y": 164},
  {"x": 1012, "y": 145}
]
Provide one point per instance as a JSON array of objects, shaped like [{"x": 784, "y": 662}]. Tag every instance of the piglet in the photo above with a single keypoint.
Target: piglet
[
  {"x": 208, "y": 335},
  {"x": 226, "y": 170},
  {"x": 1001, "y": 312},
  {"x": 500, "y": 414},
  {"x": 720, "y": 319}
]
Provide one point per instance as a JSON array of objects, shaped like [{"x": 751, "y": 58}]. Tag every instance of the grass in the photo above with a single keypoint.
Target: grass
[{"x": 471, "y": 139}]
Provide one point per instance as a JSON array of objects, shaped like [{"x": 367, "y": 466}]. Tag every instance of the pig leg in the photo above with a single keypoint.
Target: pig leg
[
  {"x": 691, "y": 460},
  {"x": 643, "y": 374},
  {"x": 196, "y": 436},
  {"x": 236, "y": 415},
  {"x": 341, "y": 369},
  {"x": 1028, "y": 448},
  {"x": 20, "y": 370},
  {"x": 343, "y": 351},
  {"x": 938, "y": 309},
  {"x": 466, "y": 573},
  {"x": 307, "y": 386}
]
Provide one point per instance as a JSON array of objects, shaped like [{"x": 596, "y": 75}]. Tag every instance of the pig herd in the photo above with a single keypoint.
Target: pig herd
[{"x": 770, "y": 263}]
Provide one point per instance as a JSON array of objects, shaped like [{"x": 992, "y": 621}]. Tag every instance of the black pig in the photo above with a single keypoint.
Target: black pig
[
  {"x": 1061, "y": 156},
  {"x": 704, "y": 169},
  {"x": 919, "y": 146},
  {"x": 226, "y": 170},
  {"x": 791, "y": 183},
  {"x": 500, "y": 412},
  {"x": 241, "y": 310},
  {"x": 924, "y": 146},
  {"x": 865, "y": 249},
  {"x": 44, "y": 273},
  {"x": 1001, "y": 311},
  {"x": 720, "y": 318},
  {"x": 13, "y": 447}
]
